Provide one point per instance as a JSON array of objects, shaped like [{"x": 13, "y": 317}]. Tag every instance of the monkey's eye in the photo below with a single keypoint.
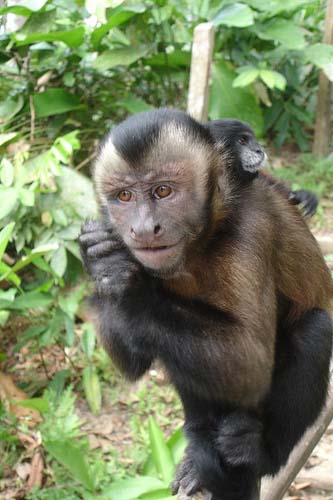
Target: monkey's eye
[
  {"x": 125, "y": 195},
  {"x": 242, "y": 140},
  {"x": 162, "y": 192}
]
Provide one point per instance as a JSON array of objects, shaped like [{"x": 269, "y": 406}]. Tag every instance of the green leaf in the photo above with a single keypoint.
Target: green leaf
[
  {"x": 162, "y": 455},
  {"x": 127, "y": 489},
  {"x": 4, "y": 138},
  {"x": 5, "y": 235},
  {"x": 4, "y": 315},
  {"x": 32, "y": 300},
  {"x": 118, "y": 57},
  {"x": 10, "y": 107},
  {"x": 176, "y": 59},
  {"x": 6, "y": 172},
  {"x": 27, "y": 197},
  {"x": 227, "y": 101},
  {"x": 116, "y": 17},
  {"x": 38, "y": 404},
  {"x": 59, "y": 261},
  {"x": 9, "y": 197},
  {"x": 88, "y": 339},
  {"x": 6, "y": 273},
  {"x": 284, "y": 31},
  {"x": 237, "y": 14},
  {"x": 73, "y": 459},
  {"x": 134, "y": 105},
  {"x": 25, "y": 8},
  {"x": 246, "y": 77},
  {"x": 72, "y": 38},
  {"x": 92, "y": 389},
  {"x": 54, "y": 102},
  {"x": 163, "y": 494},
  {"x": 177, "y": 444},
  {"x": 321, "y": 55}
]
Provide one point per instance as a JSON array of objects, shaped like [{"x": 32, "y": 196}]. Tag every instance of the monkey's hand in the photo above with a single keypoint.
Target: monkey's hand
[
  {"x": 106, "y": 259},
  {"x": 306, "y": 199},
  {"x": 239, "y": 439}
]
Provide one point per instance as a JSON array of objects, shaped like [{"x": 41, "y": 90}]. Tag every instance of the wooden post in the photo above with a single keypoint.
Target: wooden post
[
  {"x": 322, "y": 136},
  {"x": 202, "y": 53},
  {"x": 274, "y": 489}
]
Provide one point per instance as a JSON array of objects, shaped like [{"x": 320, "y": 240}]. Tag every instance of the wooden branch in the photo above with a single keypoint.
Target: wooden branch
[
  {"x": 274, "y": 489},
  {"x": 322, "y": 135},
  {"x": 202, "y": 53}
]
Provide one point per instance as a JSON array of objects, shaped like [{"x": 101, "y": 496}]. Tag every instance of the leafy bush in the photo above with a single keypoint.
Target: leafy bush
[{"x": 101, "y": 64}]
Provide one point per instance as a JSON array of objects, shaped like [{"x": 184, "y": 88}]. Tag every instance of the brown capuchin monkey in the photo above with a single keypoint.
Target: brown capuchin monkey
[
  {"x": 219, "y": 280},
  {"x": 249, "y": 158}
]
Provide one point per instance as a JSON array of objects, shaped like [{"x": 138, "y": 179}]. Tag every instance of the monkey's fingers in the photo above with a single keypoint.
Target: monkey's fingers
[
  {"x": 102, "y": 249},
  {"x": 87, "y": 240},
  {"x": 93, "y": 225}
]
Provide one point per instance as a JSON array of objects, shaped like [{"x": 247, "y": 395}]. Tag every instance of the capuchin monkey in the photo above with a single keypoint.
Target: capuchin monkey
[
  {"x": 249, "y": 159},
  {"x": 222, "y": 283}
]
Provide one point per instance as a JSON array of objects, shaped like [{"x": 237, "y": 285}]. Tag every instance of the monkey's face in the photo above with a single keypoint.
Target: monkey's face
[
  {"x": 250, "y": 152},
  {"x": 155, "y": 201}
]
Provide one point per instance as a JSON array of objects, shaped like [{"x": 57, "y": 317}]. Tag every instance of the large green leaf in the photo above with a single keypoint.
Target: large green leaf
[
  {"x": 134, "y": 105},
  {"x": 25, "y": 8},
  {"x": 54, "y": 102},
  {"x": 73, "y": 38},
  {"x": 116, "y": 17},
  {"x": 10, "y": 107},
  {"x": 173, "y": 60},
  {"x": 229, "y": 102},
  {"x": 92, "y": 388},
  {"x": 274, "y": 7},
  {"x": 118, "y": 57},
  {"x": 128, "y": 489},
  {"x": 9, "y": 198},
  {"x": 284, "y": 31},
  {"x": 5, "y": 235},
  {"x": 73, "y": 459},
  {"x": 321, "y": 54},
  {"x": 161, "y": 453},
  {"x": 236, "y": 14},
  {"x": 31, "y": 300}
]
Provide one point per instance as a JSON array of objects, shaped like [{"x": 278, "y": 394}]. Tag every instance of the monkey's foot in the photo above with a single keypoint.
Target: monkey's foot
[{"x": 187, "y": 479}]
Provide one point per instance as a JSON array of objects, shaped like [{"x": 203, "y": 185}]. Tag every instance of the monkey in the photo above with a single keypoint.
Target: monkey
[
  {"x": 250, "y": 158},
  {"x": 207, "y": 275}
]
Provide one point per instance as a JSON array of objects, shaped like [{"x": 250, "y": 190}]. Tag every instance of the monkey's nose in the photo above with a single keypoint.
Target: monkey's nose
[{"x": 146, "y": 233}]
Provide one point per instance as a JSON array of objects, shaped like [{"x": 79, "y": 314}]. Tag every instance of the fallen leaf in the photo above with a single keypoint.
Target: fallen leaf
[
  {"x": 9, "y": 392},
  {"x": 302, "y": 486}
]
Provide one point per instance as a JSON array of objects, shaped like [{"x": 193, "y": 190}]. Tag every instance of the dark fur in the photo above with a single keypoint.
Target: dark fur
[
  {"x": 229, "y": 132},
  {"x": 243, "y": 329}
]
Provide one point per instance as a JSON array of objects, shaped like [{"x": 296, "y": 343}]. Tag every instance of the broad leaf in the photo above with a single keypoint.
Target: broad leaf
[
  {"x": 134, "y": 105},
  {"x": 8, "y": 197},
  {"x": 124, "y": 56},
  {"x": 227, "y": 101},
  {"x": 246, "y": 77},
  {"x": 236, "y": 14},
  {"x": 10, "y": 108},
  {"x": 73, "y": 459},
  {"x": 59, "y": 261},
  {"x": 54, "y": 102},
  {"x": 161, "y": 453},
  {"x": 72, "y": 38},
  {"x": 38, "y": 404},
  {"x": 5, "y": 235},
  {"x": 92, "y": 389},
  {"x": 127, "y": 489},
  {"x": 31, "y": 300},
  {"x": 284, "y": 31}
]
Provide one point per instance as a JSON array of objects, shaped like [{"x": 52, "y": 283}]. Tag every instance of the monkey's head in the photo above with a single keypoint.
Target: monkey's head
[
  {"x": 156, "y": 181},
  {"x": 239, "y": 138}
]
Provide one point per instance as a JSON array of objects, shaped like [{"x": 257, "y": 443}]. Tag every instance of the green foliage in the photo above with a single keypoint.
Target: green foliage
[{"x": 108, "y": 57}]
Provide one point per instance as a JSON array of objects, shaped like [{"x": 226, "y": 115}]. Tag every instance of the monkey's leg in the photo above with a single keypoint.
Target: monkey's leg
[
  {"x": 203, "y": 467},
  {"x": 299, "y": 386}
]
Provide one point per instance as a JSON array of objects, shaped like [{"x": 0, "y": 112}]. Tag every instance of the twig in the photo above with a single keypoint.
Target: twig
[
  {"x": 32, "y": 118},
  {"x": 87, "y": 160}
]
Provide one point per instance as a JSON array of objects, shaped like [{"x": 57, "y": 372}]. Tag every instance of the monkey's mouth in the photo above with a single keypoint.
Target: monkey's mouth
[{"x": 156, "y": 257}]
